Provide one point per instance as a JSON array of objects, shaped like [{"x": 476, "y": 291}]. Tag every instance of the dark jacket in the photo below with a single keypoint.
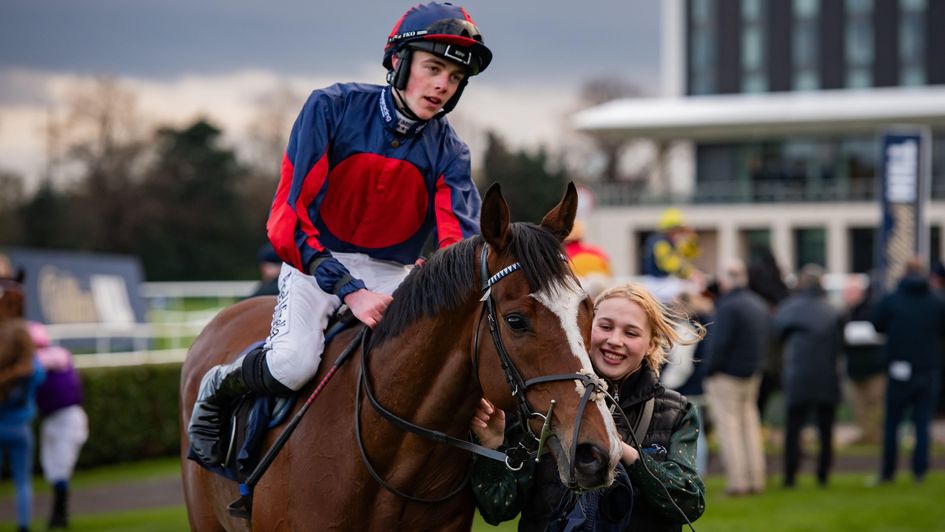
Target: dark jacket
[
  {"x": 738, "y": 338},
  {"x": 812, "y": 332},
  {"x": 913, "y": 319},
  {"x": 537, "y": 492}
]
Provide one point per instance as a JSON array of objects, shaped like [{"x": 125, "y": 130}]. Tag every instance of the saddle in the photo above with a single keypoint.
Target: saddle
[{"x": 254, "y": 415}]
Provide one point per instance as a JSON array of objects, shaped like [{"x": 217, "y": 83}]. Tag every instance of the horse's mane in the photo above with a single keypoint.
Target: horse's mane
[{"x": 446, "y": 280}]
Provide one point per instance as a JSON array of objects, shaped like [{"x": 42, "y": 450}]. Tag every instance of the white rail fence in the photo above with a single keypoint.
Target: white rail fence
[{"x": 176, "y": 313}]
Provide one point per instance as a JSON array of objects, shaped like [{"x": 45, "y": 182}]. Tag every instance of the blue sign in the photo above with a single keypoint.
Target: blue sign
[{"x": 904, "y": 176}]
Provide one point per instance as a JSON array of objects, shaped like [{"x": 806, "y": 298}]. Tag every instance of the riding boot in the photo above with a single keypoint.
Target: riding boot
[
  {"x": 219, "y": 390},
  {"x": 60, "y": 514}
]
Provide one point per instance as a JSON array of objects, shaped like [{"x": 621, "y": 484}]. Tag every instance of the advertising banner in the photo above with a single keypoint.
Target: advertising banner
[{"x": 904, "y": 169}]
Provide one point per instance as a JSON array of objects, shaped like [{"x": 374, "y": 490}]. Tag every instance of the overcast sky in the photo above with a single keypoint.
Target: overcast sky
[{"x": 543, "y": 51}]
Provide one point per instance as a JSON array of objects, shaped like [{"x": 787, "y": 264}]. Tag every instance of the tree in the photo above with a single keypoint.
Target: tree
[
  {"x": 597, "y": 91},
  {"x": 100, "y": 137},
  {"x": 529, "y": 183},
  {"x": 193, "y": 224},
  {"x": 11, "y": 198}
]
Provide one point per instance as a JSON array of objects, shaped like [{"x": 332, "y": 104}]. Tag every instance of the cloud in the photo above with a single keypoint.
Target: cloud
[{"x": 523, "y": 114}]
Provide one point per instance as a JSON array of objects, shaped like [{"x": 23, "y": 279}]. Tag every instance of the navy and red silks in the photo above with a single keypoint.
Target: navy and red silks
[{"x": 351, "y": 183}]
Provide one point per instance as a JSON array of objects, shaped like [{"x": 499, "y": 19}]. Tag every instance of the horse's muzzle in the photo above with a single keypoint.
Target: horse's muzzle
[{"x": 591, "y": 466}]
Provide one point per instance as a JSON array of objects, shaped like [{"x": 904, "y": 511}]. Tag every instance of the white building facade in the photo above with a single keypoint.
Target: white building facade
[{"x": 767, "y": 135}]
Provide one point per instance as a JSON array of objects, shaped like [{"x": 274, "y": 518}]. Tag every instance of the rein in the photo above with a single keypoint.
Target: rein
[{"x": 517, "y": 384}]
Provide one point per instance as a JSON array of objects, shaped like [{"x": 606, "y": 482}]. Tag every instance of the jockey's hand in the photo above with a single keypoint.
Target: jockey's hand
[
  {"x": 488, "y": 424},
  {"x": 420, "y": 262},
  {"x": 368, "y": 306}
]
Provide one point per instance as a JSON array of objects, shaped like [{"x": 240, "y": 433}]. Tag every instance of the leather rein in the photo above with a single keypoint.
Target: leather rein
[{"x": 517, "y": 384}]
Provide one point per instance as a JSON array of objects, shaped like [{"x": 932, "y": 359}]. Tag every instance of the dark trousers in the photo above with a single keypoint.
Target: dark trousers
[
  {"x": 796, "y": 418},
  {"x": 920, "y": 393}
]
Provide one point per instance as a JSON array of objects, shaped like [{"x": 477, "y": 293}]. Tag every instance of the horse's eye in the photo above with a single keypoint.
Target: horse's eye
[{"x": 516, "y": 323}]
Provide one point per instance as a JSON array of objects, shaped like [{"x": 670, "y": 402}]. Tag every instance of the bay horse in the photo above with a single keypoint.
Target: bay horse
[{"x": 431, "y": 359}]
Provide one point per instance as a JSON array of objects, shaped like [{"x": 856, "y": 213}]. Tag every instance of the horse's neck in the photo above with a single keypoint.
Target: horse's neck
[{"x": 427, "y": 370}]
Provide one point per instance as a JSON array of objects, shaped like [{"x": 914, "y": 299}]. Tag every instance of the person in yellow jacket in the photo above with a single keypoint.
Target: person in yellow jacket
[{"x": 669, "y": 254}]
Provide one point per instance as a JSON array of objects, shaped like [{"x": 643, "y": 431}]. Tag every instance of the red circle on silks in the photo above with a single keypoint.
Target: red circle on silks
[{"x": 373, "y": 201}]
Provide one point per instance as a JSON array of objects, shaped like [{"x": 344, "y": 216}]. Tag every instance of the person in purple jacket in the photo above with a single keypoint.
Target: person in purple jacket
[
  {"x": 65, "y": 426},
  {"x": 370, "y": 173}
]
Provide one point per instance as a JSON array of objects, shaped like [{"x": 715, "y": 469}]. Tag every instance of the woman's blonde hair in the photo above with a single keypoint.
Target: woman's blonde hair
[{"x": 665, "y": 323}]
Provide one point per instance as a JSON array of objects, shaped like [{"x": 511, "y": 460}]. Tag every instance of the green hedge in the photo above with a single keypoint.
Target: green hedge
[{"x": 132, "y": 413}]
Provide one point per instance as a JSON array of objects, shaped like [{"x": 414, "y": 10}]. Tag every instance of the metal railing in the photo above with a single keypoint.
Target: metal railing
[{"x": 176, "y": 313}]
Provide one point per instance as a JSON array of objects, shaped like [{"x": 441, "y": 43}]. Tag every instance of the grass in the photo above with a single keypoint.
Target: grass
[{"x": 847, "y": 504}]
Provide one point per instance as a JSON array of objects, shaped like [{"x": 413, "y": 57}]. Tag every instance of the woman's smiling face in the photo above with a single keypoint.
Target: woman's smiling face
[{"x": 620, "y": 338}]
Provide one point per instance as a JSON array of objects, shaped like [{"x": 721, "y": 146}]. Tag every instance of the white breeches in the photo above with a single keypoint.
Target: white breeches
[
  {"x": 297, "y": 336},
  {"x": 62, "y": 435}
]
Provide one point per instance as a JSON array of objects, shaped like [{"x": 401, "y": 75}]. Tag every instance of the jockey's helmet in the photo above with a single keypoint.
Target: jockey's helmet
[{"x": 442, "y": 29}]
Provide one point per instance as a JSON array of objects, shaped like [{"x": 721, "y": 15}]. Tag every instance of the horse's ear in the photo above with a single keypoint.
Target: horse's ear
[
  {"x": 560, "y": 220},
  {"x": 494, "y": 218}
]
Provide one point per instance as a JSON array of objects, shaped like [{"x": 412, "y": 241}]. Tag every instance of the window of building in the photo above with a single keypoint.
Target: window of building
[
  {"x": 754, "y": 243},
  {"x": 754, "y": 76},
  {"x": 859, "y": 43},
  {"x": 912, "y": 42},
  {"x": 862, "y": 252},
  {"x": 935, "y": 247},
  {"x": 810, "y": 247},
  {"x": 702, "y": 60},
  {"x": 804, "y": 45}
]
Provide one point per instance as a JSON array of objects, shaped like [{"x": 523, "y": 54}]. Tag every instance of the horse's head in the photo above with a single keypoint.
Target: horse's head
[
  {"x": 540, "y": 324},
  {"x": 11, "y": 297}
]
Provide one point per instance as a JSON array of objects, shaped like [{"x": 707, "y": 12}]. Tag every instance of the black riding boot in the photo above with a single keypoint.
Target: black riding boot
[
  {"x": 220, "y": 389},
  {"x": 60, "y": 514}
]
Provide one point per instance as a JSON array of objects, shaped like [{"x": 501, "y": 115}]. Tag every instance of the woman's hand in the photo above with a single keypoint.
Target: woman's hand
[
  {"x": 488, "y": 424},
  {"x": 628, "y": 454}
]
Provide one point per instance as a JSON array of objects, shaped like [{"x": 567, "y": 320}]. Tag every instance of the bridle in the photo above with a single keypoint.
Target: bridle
[{"x": 518, "y": 385}]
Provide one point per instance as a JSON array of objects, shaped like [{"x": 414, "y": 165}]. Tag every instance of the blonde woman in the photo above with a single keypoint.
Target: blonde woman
[{"x": 630, "y": 337}]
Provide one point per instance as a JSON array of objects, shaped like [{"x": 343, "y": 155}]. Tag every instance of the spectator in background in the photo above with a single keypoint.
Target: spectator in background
[
  {"x": 269, "y": 267},
  {"x": 590, "y": 263},
  {"x": 668, "y": 257},
  {"x": 65, "y": 426},
  {"x": 684, "y": 370},
  {"x": 812, "y": 332},
  {"x": 737, "y": 341},
  {"x": 914, "y": 320},
  {"x": 937, "y": 284},
  {"x": 866, "y": 368},
  {"x": 765, "y": 279},
  {"x": 20, "y": 375}
]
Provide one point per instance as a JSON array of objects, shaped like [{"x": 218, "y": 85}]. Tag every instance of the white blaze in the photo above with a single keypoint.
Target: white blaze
[{"x": 563, "y": 300}]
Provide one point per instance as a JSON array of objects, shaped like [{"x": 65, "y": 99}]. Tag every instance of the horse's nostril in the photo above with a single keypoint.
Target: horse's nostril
[
  {"x": 590, "y": 466},
  {"x": 588, "y": 454}
]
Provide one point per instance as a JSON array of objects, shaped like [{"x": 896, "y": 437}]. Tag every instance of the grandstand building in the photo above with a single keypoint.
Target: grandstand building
[{"x": 767, "y": 130}]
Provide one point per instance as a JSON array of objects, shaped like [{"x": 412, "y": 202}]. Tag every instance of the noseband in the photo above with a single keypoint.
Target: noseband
[{"x": 517, "y": 384}]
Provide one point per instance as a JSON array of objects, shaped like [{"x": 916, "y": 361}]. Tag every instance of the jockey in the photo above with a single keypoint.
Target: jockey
[{"x": 370, "y": 172}]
